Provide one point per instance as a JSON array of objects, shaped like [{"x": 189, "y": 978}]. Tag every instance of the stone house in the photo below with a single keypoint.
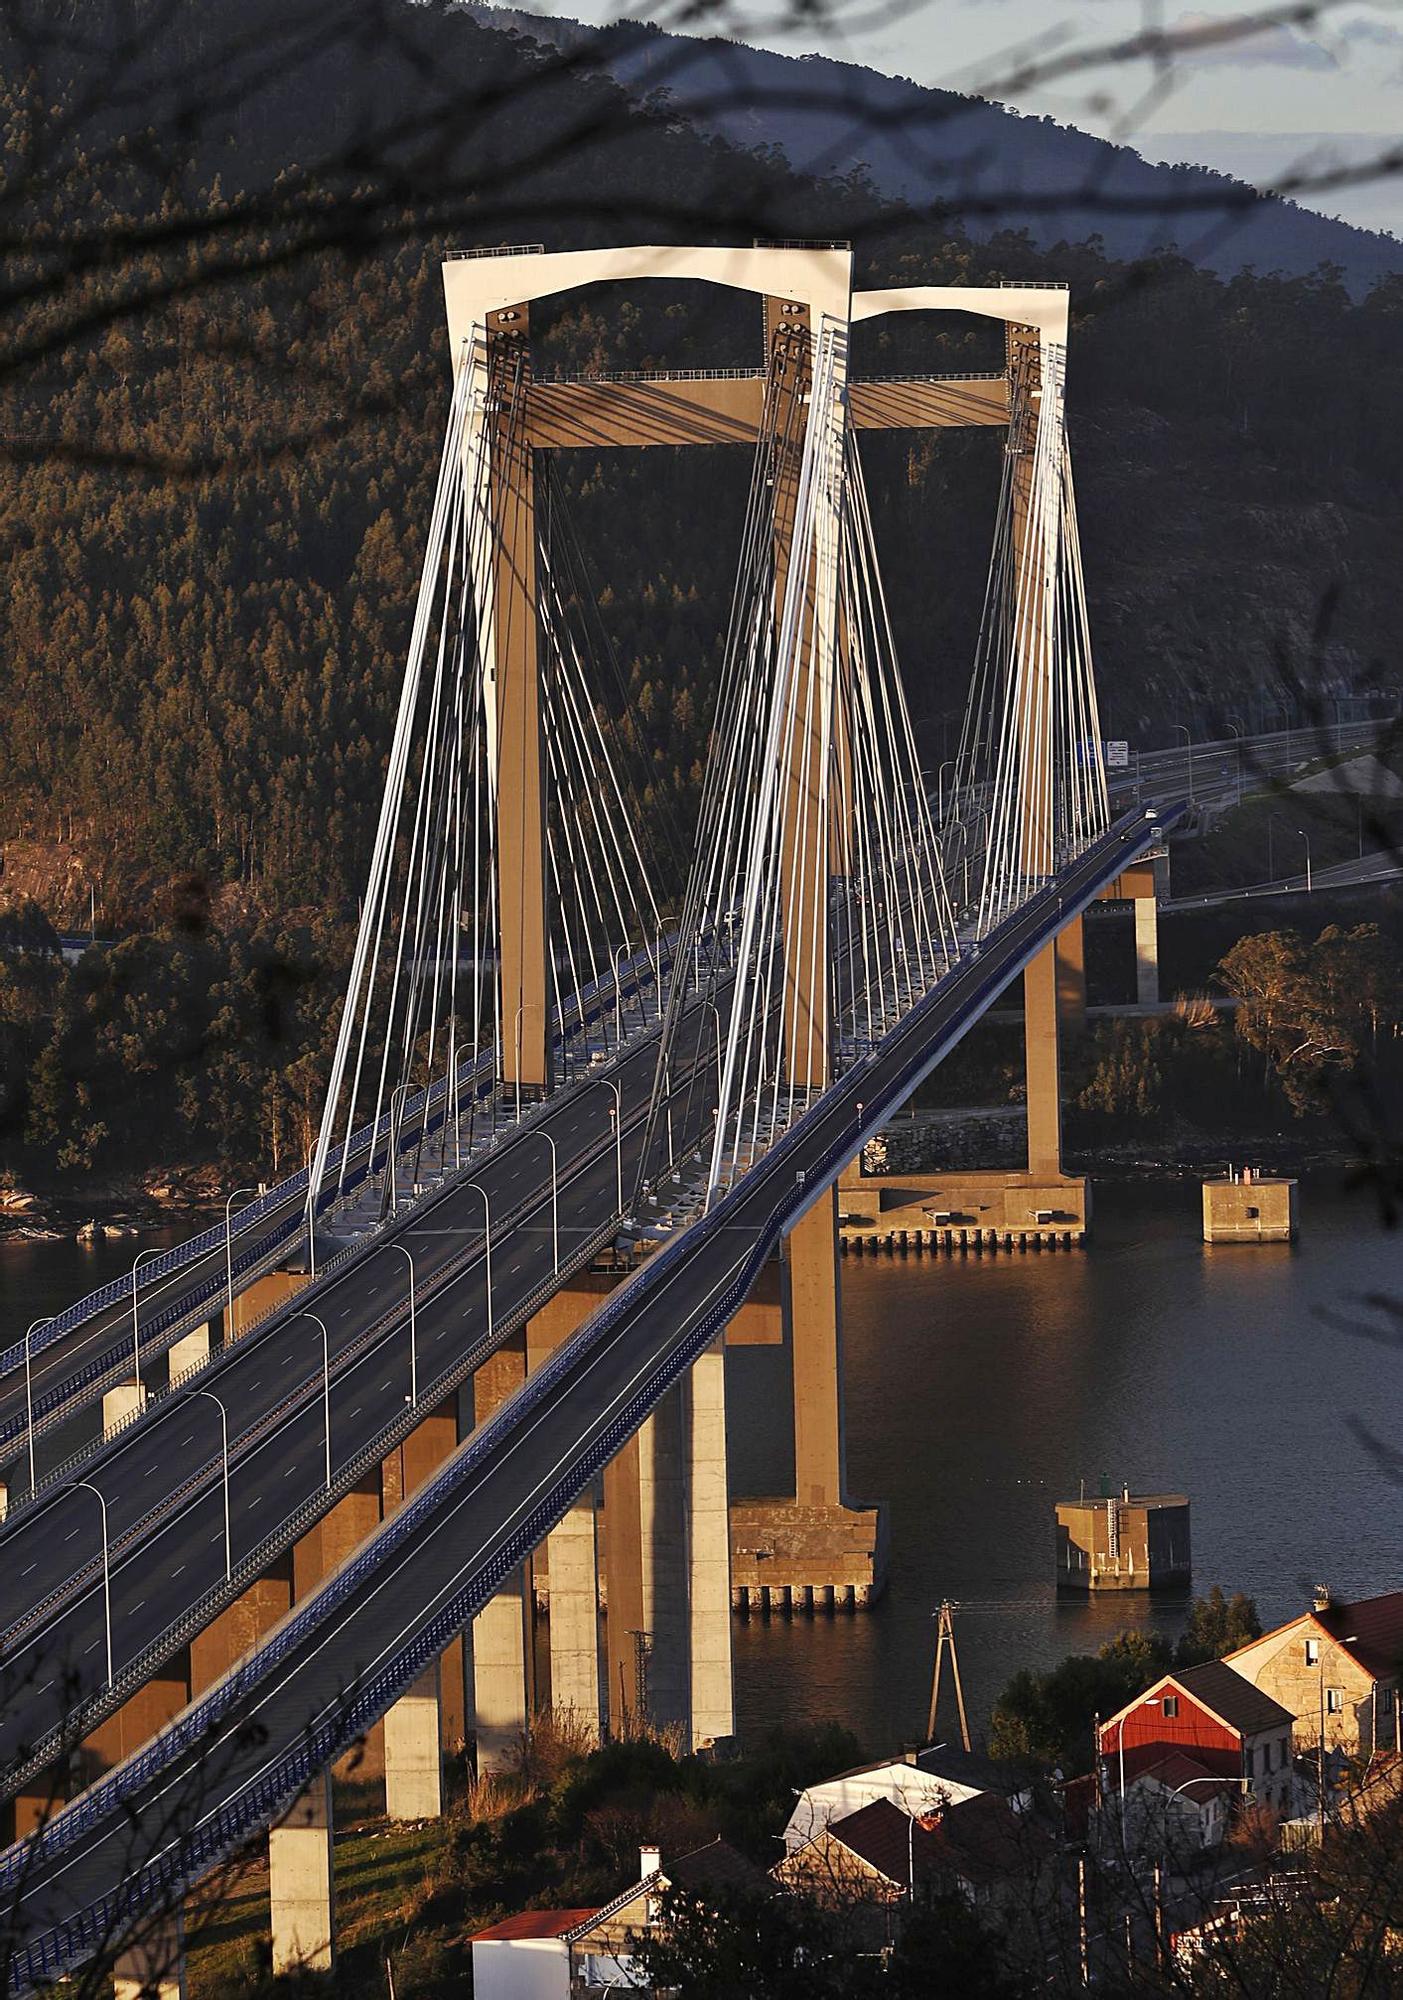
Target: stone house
[{"x": 1338, "y": 1663}]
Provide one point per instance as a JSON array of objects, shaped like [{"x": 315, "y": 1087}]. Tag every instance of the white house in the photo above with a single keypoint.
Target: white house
[{"x": 913, "y": 1787}]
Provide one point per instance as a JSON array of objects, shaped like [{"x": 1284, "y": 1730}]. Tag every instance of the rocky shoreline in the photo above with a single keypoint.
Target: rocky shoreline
[{"x": 109, "y": 1211}]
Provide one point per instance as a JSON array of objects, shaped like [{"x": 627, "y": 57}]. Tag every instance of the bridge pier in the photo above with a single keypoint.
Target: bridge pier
[
  {"x": 502, "y": 1636},
  {"x": 190, "y": 1351},
  {"x": 713, "y": 1707},
  {"x": 241, "y": 1627},
  {"x": 570, "y": 1570},
  {"x": 1146, "y": 950},
  {"x": 413, "y": 1751},
  {"x": 302, "y": 1883},
  {"x": 121, "y": 1403},
  {"x": 152, "y": 1966},
  {"x": 258, "y": 1298},
  {"x": 428, "y": 1446}
]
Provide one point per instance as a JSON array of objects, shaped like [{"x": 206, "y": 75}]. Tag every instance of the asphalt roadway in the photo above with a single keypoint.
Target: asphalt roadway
[
  {"x": 67, "y": 1371},
  {"x": 160, "y": 1480},
  {"x": 244, "y": 1751}
]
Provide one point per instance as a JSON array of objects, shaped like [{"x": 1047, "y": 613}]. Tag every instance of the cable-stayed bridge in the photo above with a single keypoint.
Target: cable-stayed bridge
[{"x": 582, "y": 1090}]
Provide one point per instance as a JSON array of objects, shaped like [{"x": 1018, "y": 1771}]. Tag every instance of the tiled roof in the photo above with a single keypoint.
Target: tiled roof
[
  {"x": 1374, "y": 1628},
  {"x": 978, "y": 1839},
  {"x": 1232, "y": 1698},
  {"x": 533, "y": 1924},
  {"x": 889, "y": 1840},
  {"x": 1179, "y": 1770},
  {"x": 716, "y": 1868}
]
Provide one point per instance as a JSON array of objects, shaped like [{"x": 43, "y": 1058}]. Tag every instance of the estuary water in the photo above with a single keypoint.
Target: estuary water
[{"x": 980, "y": 1391}]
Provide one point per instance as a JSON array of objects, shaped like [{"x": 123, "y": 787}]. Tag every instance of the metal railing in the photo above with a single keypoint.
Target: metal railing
[{"x": 986, "y": 975}]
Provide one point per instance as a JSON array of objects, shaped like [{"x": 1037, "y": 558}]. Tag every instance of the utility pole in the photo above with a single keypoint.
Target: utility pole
[{"x": 945, "y": 1636}]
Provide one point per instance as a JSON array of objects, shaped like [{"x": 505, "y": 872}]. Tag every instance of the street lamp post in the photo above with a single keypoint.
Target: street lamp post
[
  {"x": 229, "y": 1254},
  {"x": 210, "y": 1396},
  {"x": 618, "y": 997},
  {"x": 720, "y": 1066},
  {"x": 106, "y": 1569},
  {"x": 476, "y": 1187},
  {"x": 326, "y": 1385},
  {"x": 136, "y": 1329},
  {"x": 29, "y": 1399},
  {"x": 400, "y": 1091},
  {"x": 413, "y": 1328},
  {"x": 516, "y": 1044},
  {"x": 1189, "y": 756},
  {"x": 1150, "y": 1701},
  {"x": 617, "y": 1114},
  {"x": 554, "y": 1200},
  {"x": 1306, "y": 838}
]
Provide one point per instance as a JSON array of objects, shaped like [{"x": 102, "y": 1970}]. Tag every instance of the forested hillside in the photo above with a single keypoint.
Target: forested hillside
[{"x": 224, "y": 376}]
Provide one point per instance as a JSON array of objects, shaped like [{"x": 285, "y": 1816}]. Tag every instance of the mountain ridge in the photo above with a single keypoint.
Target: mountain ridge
[{"x": 974, "y": 162}]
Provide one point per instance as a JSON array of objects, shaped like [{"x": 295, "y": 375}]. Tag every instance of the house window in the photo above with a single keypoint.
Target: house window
[
  {"x": 1171, "y": 1705},
  {"x": 1312, "y": 1652},
  {"x": 1334, "y": 1701},
  {"x": 1251, "y": 1763},
  {"x": 1266, "y": 1759}
]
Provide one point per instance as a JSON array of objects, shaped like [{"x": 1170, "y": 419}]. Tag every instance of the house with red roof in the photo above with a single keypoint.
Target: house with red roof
[
  {"x": 566, "y": 1954},
  {"x": 1337, "y": 1668},
  {"x": 1232, "y": 1730}
]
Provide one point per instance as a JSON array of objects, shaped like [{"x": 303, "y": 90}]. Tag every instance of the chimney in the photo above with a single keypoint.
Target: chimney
[
  {"x": 650, "y": 1860},
  {"x": 1321, "y": 1600}
]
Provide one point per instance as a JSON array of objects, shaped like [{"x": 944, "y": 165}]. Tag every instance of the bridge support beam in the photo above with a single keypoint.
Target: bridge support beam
[
  {"x": 1042, "y": 1061},
  {"x": 152, "y": 1967},
  {"x": 414, "y": 1752},
  {"x": 570, "y": 1572},
  {"x": 713, "y": 1706},
  {"x": 502, "y": 1635},
  {"x": 244, "y": 1625},
  {"x": 1146, "y": 951},
  {"x": 191, "y": 1351},
  {"x": 813, "y": 1307},
  {"x": 121, "y": 1403},
  {"x": 426, "y": 1448},
  {"x": 259, "y": 1298},
  {"x": 302, "y": 1883},
  {"x": 1071, "y": 979}
]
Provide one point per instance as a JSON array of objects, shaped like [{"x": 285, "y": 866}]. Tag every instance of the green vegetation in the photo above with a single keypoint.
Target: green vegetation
[
  {"x": 562, "y": 1831},
  {"x": 1048, "y": 1718},
  {"x": 221, "y": 443}
]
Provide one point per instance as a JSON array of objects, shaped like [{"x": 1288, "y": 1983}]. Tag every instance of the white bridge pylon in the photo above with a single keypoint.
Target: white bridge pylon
[{"x": 817, "y": 910}]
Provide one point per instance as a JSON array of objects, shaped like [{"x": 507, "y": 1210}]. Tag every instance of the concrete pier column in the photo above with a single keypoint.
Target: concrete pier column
[
  {"x": 813, "y": 1316},
  {"x": 574, "y": 1617},
  {"x": 244, "y": 1625},
  {"x": 152, "y": 1966},
  {"x": 302, "y": 1883},
  {"x": 572, "y": 1549},
  {"x": 4, "y": 1499},
  {"x": 1071, "y": 978},
  {"x": 713, "y": 1692},
  {"x": 646, "y": 1567},
  {"x": 413, "y": 1752},
  {"x": 1042, "y": 1064},
  {"x": 122, "y": 1402},
  {"x": 624, "y": 1626},
  {"x": 190, "y": 1351},
  {"x": 502, "y": 1651},
  {"x": 662, "y": 1504},
  {"x": 1146, "y": 951}
]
